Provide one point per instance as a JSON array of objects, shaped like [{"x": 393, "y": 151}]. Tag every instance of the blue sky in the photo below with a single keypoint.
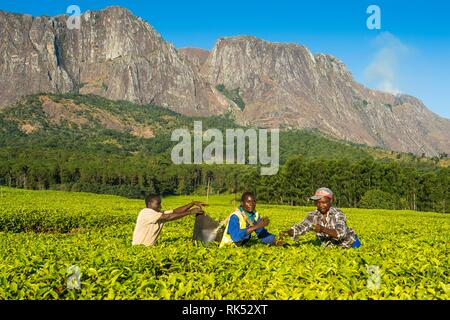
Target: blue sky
[{"x": 409, "y": 54}]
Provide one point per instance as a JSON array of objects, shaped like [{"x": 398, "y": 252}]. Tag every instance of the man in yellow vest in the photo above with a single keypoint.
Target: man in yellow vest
[{"x": 244, "y": 221}]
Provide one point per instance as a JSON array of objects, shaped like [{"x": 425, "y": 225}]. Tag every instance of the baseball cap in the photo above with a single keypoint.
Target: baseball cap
[{"x": 322, "y": 192}]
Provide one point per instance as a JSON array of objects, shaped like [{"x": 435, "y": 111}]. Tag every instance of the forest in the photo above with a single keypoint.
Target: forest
[{"x": 92, "y": 158}]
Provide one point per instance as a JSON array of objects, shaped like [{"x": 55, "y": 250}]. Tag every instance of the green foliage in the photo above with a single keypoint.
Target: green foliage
[
  {"x": 61, "y": 212},
  {"x": 313, "y": 144},
  {"x": 411, "y": 256},
  {"x": 132, "y": 176},
  {"x": 377, "y": 199}
]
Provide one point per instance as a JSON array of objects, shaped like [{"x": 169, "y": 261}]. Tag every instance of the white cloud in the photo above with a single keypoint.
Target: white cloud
[{"x": 383, "y": 69}]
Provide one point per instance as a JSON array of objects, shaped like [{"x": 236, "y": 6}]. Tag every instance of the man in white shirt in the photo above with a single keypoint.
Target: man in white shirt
[{"x": 151, "y": 220}]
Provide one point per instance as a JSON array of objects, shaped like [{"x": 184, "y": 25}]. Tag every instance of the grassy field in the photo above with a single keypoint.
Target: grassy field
[{"x": 42, "y": 233}]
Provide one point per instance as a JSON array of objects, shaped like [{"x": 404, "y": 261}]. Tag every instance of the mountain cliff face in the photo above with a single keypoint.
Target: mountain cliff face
[
  {"x": 114, "y": 54},
  {"x": 285, "y": 84},
  {"x": 121, "y": 57},
  {"x": 195, "y": 55}
]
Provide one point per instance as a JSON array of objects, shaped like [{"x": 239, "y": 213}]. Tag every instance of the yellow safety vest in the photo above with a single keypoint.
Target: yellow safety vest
[{"x": 226, "y": 239}]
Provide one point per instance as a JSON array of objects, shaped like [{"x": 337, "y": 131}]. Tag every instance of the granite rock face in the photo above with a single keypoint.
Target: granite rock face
[
  {"x": 285, "y": 85},
  {"x": 120, "y": 56},
  {"x": 197, "y": 56},
  {"x": 114, "y": 54}
]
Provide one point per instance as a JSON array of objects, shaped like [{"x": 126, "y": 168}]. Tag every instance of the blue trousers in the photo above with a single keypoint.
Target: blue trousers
[{"x": 357, "y": 243}]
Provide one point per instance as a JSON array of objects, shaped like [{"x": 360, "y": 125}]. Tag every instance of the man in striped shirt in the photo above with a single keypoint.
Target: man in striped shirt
[{"x": 328, "y": 222}]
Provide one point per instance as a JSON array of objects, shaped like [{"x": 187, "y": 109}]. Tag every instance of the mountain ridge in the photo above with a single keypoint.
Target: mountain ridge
[
  {"x": 90, "y": 122},
  {"x": 122, "y": 57}
]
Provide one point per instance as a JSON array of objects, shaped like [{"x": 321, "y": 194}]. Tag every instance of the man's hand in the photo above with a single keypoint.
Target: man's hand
[
  {"x": 278, "y": 243},
  {"x": 186, "y": 208},
  {"x": 286, "y": 233},
  {"x": 263, "y": 222},
  {"x": 317, "y": 228},
  {"x": 199, "y": 204},
  {"x": 196, "y": 211},
  {"x": 260, "y": 224}
]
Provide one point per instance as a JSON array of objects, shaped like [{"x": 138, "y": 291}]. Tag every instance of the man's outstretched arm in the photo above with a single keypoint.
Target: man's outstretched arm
[
  {"x": 188, "y": 206},
  {"x": 177, "y": 215},
  {"x": 300, "y": 228}
]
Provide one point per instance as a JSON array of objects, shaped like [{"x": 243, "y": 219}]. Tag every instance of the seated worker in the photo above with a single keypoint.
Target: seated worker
[
  {"x": 243, "y": 222},
  {"x": 328, "y": 222},
  {"x": 151, "y": 220}
]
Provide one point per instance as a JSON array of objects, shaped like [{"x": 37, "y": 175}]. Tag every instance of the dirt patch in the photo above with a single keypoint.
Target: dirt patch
[
  {"x": 28, "y": 127},
  {"x": 59, "y": 111},
  {"x": 143, "y": 132},
  {"x": 75, "y": 231},
  {"x": 68, "y": 110},
  {"x": 109, "y": 121},
  {"x": 112, "y": 122}
]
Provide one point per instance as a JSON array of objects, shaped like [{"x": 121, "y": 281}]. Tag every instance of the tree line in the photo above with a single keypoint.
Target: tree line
[{"x": 366, "y": 183}]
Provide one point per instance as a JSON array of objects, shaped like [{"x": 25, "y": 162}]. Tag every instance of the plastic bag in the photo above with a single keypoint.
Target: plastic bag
[{"x": 206, "y": 229}]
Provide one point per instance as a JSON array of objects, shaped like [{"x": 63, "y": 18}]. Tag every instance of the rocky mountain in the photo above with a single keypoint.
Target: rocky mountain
[
  {"x": 197, "y": 56},
  {"x": 285, "y": 85},
  {"x": 114, "y": 54},
  {"x": 121, "y": 57}
]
